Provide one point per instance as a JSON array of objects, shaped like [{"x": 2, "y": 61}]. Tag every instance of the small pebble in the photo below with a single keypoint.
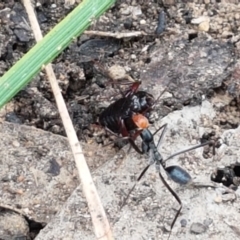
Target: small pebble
[
  {"x": 207, "y": 222},
  {"x": 20, "y": 178},
  {"x": 200, "y": 19},
  {"x": 133, "y": 56},
  {"x": 198, "y": 228},
  {"x": 183, "y": 223},
  {"x": 126, "y": 11},
  {"x": 142, "y": 22},
  {"x": 15, "y": 143},
  {"x": 228, "y": 197},
  {"x": 218, "y": 199},
  {"x": 204, "y": 26},
  {"x": 117, "y": 72},
  {"x": 136, "y": 11},
  {"x": 161, "y": 23}
]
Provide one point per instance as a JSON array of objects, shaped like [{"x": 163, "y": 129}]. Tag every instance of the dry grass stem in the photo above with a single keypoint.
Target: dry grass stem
[{"x": 115, "y": 35}]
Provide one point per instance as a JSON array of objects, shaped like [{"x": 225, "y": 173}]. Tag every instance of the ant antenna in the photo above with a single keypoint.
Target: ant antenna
[
  {"x": 186, "y": 150},
  {"x": 176, "y": 197}
]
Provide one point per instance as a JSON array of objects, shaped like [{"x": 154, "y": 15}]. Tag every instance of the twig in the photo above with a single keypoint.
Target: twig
[
  {"x": 212, "y": 185},
  {"x": 116, "y": 35},
  {"x": 99, "y": 219},
  {"x": 5, "y": 206}
]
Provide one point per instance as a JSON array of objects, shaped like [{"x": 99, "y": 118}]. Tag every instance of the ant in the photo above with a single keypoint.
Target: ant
[{"x": 176, "y": 173}]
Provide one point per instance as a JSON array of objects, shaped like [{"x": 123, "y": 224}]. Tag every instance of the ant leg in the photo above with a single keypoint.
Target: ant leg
[
  {"x": 131, "y": 139},
  {"x": 176, "y": 197},
  {"x": 116, "y": 135},
  {"x": 125, "y": 133},
  {"x": 136, "y": 148},
  {"x": 133, "y": 89},
  {"x": 164, "y": 126},
  {"x": 154, "y": 102},
  {"x": 110, "y": 131},
  {"x": 135, "y": 84},
  {"x": 138, "y": 179}
]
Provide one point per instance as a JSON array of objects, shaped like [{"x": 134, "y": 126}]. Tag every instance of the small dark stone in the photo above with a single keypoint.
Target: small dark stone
[
  {"x": 98, "y": 139},
  {"x": 41, "y": 17},
  {"x": 128, "y": 23},
  {"x": 5, "y": 179},
  {"x": 198, "y": 228},
  {"x": 107, "y": 182},
  {"x": 183, "y": 223},
  {"x": 18, "y": 13},
  {"x": 54, "y": 167},
  {"x": 22, "y": 35},
  {"x": 207, "y": 222},
  {"x": 95, "y": 48},
  {"x": 161, "y": 23},
  {"x": 18, "y": 206},
  {"x": 4, "y": 13},
  {"x": 13, "y": 118},
  {"x": 187, "y": 16}
]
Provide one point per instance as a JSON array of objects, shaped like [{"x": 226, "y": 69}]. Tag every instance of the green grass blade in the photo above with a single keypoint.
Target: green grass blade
[{"x": 50, "y": 46}]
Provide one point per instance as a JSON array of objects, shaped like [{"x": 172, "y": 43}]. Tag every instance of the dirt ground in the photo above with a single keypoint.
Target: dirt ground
[{"x": 192, "y": 49}]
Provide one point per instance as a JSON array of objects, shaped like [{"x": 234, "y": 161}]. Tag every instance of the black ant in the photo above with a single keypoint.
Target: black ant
[{"x": 176, "y": 173}]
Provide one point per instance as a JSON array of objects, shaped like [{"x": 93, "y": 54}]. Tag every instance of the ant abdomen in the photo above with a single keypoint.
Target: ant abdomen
[{"x": 178, "y": 174}]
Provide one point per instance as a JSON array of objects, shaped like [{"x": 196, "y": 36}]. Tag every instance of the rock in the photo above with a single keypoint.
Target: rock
[
  {"x": 200, "y": 20},
  {"x": 203, "y": 23},
  {"x": 228, "y": 197},
  {"x": 208, "y": 61},
  {"x": 142, "y": 21},
  {"x": 218, "y": 199},
  {"x": 198, "y": 228},
  {"x": 13, "y": 225},
  {"x": 204, "y": 26},
  {"x": 207, "y": 222},
  {"x": 22, "y": 35},
  {"x": 183, "y": 223}
]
